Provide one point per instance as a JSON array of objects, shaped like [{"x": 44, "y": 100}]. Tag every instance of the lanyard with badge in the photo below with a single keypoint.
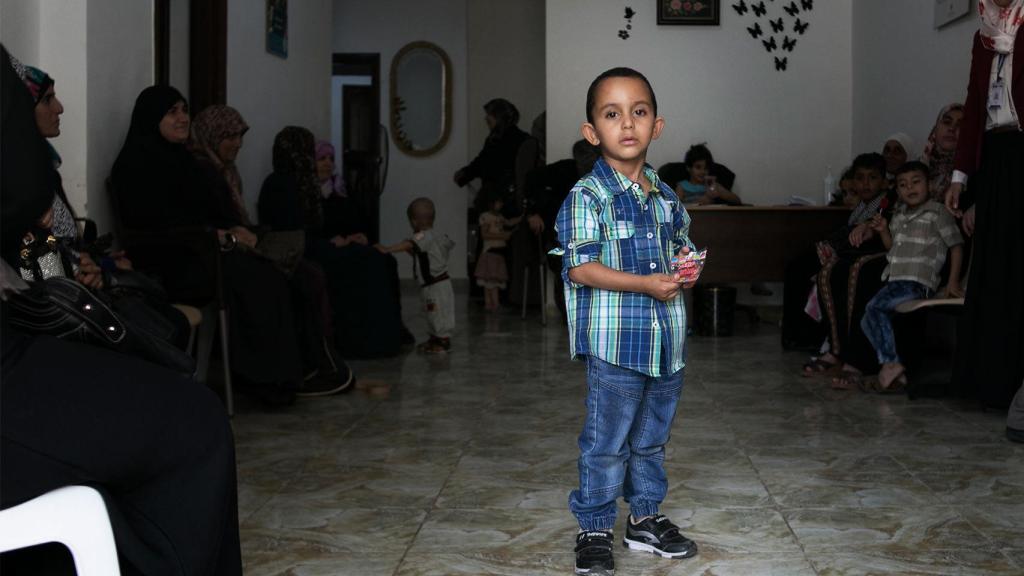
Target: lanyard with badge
[{"x": 998, "y": 88}]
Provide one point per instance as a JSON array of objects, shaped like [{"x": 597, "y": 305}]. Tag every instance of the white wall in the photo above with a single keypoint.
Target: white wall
[
  {"x": 505, "y": 59},
  {"x": 19, "y": 28},
  {"x": 777, "y": 130},
  {"x": 905, "y": 70},
  {"x": 271, "y": 92},
  {"x": 384, "y": 27},
  {"x": 119, "y": 42}
]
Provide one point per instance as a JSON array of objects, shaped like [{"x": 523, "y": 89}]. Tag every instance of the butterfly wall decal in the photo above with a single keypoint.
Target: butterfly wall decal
[
  {"x": 770, "y": 44},
  {"x": 807, "y": 5},
  {"x": 780, "y": 64},
  {"x": 786, "y": 22},
  {"x": 759, "y": 9},
  {"x": 777, "y": 25},
  {"x": 800, "y": 26},
  {"x": 756, "y": 31},
  {"x": 788, "y": 44},
  {"x": 740, "y": 8},
  {"x": 792, "y": 9}
]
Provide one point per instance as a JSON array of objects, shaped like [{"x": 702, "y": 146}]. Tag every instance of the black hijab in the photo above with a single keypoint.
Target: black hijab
[
  {"x": 27, "y": 176},
  {"x": 154, "y": 179}
]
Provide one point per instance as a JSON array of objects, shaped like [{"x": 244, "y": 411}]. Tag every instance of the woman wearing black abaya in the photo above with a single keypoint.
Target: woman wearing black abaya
[
  {"x": 362, "y": 282},
  {"x": 156, "y": 445},
  {"x": 161, "y": 189},
  {"x": 990, "y": 345}
]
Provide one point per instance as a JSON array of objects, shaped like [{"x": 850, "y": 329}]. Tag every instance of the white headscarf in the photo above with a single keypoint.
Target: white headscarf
[
  {"x": 905, "y": 141},
  {"x": 999, "y": 25}
]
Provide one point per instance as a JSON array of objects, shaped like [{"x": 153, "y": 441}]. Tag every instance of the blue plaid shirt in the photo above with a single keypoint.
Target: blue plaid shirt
[{"x": 609, "y": 219}]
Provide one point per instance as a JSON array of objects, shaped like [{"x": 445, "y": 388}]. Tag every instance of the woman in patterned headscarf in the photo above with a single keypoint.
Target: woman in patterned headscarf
[
  {"x": 362, "y": 282},
  {"x": 938, "y": 153},
  {"x": 217, "y": 134}
]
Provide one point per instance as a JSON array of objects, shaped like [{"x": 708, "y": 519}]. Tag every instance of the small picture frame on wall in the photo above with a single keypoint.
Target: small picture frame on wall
[
  {"x": 277, "y": 27},
  {"x": 689, "y": 12},
  {"x": 949, "y": 11}
]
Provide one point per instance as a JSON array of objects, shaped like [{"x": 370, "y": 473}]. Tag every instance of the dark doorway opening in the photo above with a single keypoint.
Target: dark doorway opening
[{"x": 363, "y": 148}]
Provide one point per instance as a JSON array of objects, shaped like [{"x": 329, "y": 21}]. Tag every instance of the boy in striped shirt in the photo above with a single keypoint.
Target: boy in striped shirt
[
  {"x": 619, "y": 229},
  {"x": 920, "y": 234}
]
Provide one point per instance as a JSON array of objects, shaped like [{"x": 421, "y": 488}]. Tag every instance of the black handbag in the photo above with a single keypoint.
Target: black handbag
[{"x": 66, "y": 309}]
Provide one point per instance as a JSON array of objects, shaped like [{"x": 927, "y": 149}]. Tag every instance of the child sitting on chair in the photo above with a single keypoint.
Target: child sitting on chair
[{"x": 920, "y": 234}]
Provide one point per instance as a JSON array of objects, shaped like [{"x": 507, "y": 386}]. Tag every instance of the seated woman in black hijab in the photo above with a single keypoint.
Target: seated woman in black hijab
[
  {"x": 362, "y": 282},
  {"x": 157, "y": 445},
  {"x": 161, "y": 189}
]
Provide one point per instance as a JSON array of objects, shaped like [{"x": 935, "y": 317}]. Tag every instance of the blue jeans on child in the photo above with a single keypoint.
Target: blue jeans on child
[
  {"x": 877, "y": 320},
  {"x": 622, "y": 445}
]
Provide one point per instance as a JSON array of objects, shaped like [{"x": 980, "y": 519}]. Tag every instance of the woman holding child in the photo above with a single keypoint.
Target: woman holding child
[{"x": 988, "y": 159}]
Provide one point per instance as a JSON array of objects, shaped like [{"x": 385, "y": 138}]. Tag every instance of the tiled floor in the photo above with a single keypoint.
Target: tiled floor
[{"x": 464, "y": 468}]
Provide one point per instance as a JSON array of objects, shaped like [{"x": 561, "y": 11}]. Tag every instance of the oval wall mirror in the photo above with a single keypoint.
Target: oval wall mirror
[{"x": 421, "y": 98}]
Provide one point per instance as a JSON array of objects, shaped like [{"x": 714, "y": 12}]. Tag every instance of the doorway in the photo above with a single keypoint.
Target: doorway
[{"x": 361, "y": 149}]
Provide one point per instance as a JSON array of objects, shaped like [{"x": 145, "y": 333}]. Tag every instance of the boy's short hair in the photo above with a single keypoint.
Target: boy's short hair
[
  {"x": 870, "y": 161},
  {"x": 421, "y": 206},
  {"x": 913, "y": 166},
  {"x": 620, "y": 72},
  {"x": 848, "y": 174},
  {"x": 696, "y": 153}
]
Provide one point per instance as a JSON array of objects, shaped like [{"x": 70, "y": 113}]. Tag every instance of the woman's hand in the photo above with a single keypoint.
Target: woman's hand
[
  {"x": 121, "y": 261},
  {"x": 358, "y": 238},
  {"x": 244, "y": 236},
  {"x": 953, "y": 199},
  {"x": 339, "y": 242},
  {"x": 89, "y": 273},
  {"x": 536, "y": 224},
  {"x": 968, "y": 221}
]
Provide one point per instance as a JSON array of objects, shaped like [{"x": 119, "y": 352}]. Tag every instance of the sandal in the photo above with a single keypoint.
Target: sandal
[
  {"x": 848, "y": 380},
  {"x": 897, "y": 386},
  {"x": 818, "y": 366}
]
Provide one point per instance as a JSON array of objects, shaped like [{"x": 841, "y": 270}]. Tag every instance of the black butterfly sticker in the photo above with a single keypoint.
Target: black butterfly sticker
[
  {"x": 777, "y": 25},
  {"x": 800, "y": 27},
  {"x": 756, "y": 31},
  {"x": 780, "y": 64},
  {"x": 788, "y": 44},
  {"x": 740, "y": 8},
  {"x": 630, "y": 13},
  {"x": 759, "y": 9},
  {"x": 770, "y": 44},
  {"x": 808, "y": 5},
  {"x": 792, "y": 9}
]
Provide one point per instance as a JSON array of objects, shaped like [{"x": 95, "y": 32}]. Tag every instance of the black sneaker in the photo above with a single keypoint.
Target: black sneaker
[
  {"x": 658, "y": 535},
  {"x": 594, "y": 553}
]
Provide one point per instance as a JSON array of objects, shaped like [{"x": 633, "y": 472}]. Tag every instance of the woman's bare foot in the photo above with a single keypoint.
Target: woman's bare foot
[{"x": 823, "y": 363}]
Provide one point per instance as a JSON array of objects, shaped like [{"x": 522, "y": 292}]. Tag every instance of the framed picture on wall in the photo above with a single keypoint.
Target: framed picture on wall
[
  {"x": 689, "y": 12},
  {"x": 277, "y": 27}
]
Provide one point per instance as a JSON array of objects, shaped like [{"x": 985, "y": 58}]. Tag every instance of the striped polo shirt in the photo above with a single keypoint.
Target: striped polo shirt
[{"x": 921, "y": 237}]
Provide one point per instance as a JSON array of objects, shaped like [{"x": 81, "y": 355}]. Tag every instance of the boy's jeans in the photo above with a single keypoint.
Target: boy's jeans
[
  {"x": 877, "y": 320},
  {"x": 622, "y": 446}
]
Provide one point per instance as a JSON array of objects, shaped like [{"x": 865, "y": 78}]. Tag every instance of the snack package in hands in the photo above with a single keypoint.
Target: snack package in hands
[{"x": 688, "y": 268}]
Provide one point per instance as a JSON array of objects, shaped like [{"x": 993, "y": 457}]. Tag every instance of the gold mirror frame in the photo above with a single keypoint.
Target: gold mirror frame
[{"x": 446, "y": 80}]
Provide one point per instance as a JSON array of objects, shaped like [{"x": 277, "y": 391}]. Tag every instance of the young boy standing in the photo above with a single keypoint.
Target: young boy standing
[
  {"x": 619, "y": 229},
  {"x": 430, "y": 252},
  {"x": 917, "y": 239}
]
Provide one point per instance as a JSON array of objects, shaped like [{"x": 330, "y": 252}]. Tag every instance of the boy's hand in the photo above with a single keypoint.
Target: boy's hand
[
  {"x": 860, "y": 234},
  {"x": 954, "y": 290},
  {"x": 879, "y": 224},
  {"x": 661, "y": 287}
]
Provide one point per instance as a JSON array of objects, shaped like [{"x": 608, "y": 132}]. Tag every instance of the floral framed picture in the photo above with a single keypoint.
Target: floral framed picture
[{"x": 689, "y": 12}]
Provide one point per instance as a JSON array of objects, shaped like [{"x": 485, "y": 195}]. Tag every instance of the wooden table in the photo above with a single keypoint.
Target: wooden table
[{"x": 754, "y": 243}]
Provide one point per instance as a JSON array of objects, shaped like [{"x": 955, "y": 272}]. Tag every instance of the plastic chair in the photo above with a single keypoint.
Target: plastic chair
[{"x": 74, "y": 516}]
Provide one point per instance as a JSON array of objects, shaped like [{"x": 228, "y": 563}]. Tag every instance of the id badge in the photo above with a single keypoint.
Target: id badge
[{"x": 995, "y": 94}]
